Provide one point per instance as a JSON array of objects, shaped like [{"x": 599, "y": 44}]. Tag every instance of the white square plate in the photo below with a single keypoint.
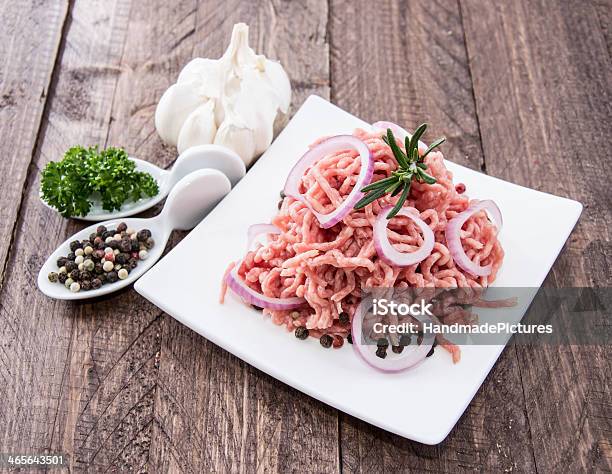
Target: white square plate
[{"x": 536, "y": 225}]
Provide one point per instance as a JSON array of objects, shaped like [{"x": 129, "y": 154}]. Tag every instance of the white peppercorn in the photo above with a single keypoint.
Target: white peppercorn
[
  {"x": 75, "y": 287},
  {"x": 122, "y": 274},
  {"x": 79, "y": 259},
  {"x": 108, "y": 266},
  {"x": 79, "y": 252}
]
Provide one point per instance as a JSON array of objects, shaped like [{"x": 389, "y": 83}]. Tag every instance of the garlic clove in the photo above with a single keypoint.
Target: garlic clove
[
  {"x": 207, "y": 73},
  {"x": 199, "y": 128},
  {"x": 173, "y": 108},
  {"x": 280, "y": 83},
  {"x": 235, "y": 135}
]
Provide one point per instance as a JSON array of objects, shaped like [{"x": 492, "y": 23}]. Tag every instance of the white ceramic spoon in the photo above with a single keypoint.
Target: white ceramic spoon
[
  {"x": 194, "y": 158},
  {"x": 187, "y": 204}
]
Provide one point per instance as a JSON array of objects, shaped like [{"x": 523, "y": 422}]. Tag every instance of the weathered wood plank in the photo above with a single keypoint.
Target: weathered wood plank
[
  {"x": 82, "y": 374},
  {"x": 30, "y": 37},
  {"x": 213, "y": 412},
  {"x": 542, "y": 81},
  {"x": 408, "y": 63}
]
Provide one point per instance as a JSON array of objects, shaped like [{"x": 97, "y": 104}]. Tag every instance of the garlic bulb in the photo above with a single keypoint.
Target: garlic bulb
[{"x": 232, "y": 101}]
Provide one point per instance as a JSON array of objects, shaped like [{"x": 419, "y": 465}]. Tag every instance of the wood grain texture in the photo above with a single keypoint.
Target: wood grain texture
[
  {"x": 542, "y": 82},
  {"x": 522, "y": 91},
  {"x": 25, "y": 73},
  {"x": 408, "y": 63}
]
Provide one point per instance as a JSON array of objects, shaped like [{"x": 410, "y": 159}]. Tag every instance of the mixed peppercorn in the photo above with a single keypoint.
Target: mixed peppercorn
[{"x": 107, "y": 256}]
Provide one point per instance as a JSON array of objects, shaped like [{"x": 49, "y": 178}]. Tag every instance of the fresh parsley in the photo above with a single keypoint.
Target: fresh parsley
[
  {"x": 410, "y": 166},
  {"x": 68, "y": 185}
]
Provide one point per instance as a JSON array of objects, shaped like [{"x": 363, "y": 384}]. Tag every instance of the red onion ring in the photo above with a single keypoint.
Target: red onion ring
[
  {"x": 257, "y": 229},
  {"x": 409, "y": 357},
  {"x": 453, "y": 236},
  {"x": 248, "y": 294},
  {"x": 398, "y": 132},
  {"x": 388, "y": 253},
  {"x": 331, "y": 145}
]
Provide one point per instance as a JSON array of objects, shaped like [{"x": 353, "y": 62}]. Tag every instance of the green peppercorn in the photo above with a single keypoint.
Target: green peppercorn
[
  {"x": 326, "y": 340},
  {"x": 122, "y": 227},
  {"x": 143, "y": 235},
  {"x": 381, "y": 352},
  {"x": 53, "y": 277},
  {"x": 135, "y": 246},
  {"x": 301, "y": 332},
  {"x": 88, "y": 264},
  {"x": 96, "y": 283},
  {"x": 75, "y": 244},
  {"x": 62, "y": 277},
  {"x": 75, "y": 274},
  {"x": 397, "y": 349},
  {"x": 344, "y": 318},
  {"x": 382, "y": 342},
  {"x": 86, "y": 285},
  {"x": 112, "y": 276}
]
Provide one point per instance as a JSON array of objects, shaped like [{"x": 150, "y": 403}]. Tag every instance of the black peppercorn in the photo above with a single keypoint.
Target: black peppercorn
[
  {"x": 381, "y": 352},
  {"x": 404, "y": 340},
  {"x": 98, "y": 268},
  {"x": 282, "y": 194},
  {"x": 61, "y": 262},
  {"x": 75, "y": 244},
  {"x": 326, "y": 340},
  {"x": 75, "y": 274},
  {"x": 349, "y": 339},
  {"x": 101, "y": 230},
  {"x": 280, "y": 204},
  {"x": 125, "y": 245},
  {"x": 70, "y": 266},
  {"x": 382, "y": 342},
  {"x": 71, "y": 256},
  {"x": 133, "y": 263},
  {"x": 301, "y": 333},
  {"x": 257, "y": 307},
  {"x": 344, "y": 318},
  {"x": 397, "y": 349},
  {"x": 112, "y": 276},
  {"x": 62, "y": 277},
  {"x": 86, "y": 285},
  {"x": 53, "y": 277},
  {"x": 92, "y": 237},
  {"x": 143, "y": 235},
  {"x": 431, "y": 351},
  {"x": 85, "y": 275},
  {"x": 122, "y": 227},
  {"x": 101, "y": 245},
  {"x": 122, "y": 258},
  {"x": 106, "y": 235},
  {"x": 149, "y": 243},
  {"x": 113, "y": 244},
  {"x": 96, "y": 283}
]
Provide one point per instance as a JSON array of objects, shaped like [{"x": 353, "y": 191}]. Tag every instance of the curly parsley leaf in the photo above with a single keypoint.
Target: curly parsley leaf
[{"x": 68, "y": 185}]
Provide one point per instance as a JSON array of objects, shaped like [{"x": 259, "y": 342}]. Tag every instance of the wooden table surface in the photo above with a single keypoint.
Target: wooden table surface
[{"x": 520, "y": 88}]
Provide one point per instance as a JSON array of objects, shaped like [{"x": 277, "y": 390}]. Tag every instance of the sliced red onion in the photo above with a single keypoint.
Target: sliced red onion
[
  {"x": 323, "y": 149},
  {"x": 412, "y": 354},
  {"x": 385, "y": 249},
  {"x": 248, "y": 294},
  {"x": 453, "y": 236},
  {"x": 398, "y": 132},
  {"x": 257, "y": 229}
]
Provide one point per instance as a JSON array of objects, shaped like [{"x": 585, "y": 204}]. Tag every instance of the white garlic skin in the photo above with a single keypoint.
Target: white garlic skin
[{"x": 232, "y": 101}]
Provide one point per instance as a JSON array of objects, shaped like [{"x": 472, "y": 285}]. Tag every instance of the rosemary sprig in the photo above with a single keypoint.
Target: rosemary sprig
[{"x": 410, "y": 166}]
